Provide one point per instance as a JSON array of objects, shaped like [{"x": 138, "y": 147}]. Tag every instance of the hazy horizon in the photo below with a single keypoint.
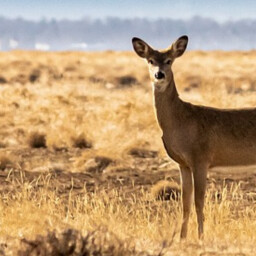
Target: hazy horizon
[
  {"x": 116, "y": 33},
  {"x": 110, "y": 25}
]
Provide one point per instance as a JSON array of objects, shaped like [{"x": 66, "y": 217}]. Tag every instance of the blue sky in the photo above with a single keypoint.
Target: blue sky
[{"x": 220, "y": 10}]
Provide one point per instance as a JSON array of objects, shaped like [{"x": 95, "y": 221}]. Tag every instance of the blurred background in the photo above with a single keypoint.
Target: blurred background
[
  {"x": 80, "y": 149},
  {"x": 109, "y": 25}
]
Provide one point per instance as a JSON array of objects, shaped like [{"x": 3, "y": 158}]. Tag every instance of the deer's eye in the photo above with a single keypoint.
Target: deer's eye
[
  {"x": 150, "y": 61},
  {"x": 168, "y": 62}
]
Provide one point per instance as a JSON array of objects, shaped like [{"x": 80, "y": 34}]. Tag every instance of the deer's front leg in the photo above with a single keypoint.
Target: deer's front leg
[{"x": 200, "y": 175}]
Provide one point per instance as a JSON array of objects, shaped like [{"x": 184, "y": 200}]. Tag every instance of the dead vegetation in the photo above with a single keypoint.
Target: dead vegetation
[
  {"x": 37, "y": 140},
  {"x": 80, "y": 149},
  {"x": 80, "y": 141},
  {"x": 71, "y": 242},
  {"x": 6, "y": 161},
  {"x": 166, "y": 190},
  {"x": 54, "y": 215}
]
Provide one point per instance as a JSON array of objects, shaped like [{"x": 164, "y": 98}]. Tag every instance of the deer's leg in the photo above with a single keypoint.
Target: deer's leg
[
  {"x": 187, "y": 190},
  {"x": 200, "y": 175}
]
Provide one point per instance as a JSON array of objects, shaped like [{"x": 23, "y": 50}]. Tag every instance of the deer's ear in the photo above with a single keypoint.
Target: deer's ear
[
  {"x": 141, "y": 47},
  {"x": 179, "y": 46}
]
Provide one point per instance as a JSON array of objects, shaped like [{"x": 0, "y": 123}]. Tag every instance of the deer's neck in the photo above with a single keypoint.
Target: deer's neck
[{"x": 168, "y": 105}]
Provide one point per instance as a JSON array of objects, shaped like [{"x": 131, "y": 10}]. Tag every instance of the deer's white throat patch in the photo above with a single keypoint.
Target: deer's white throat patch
[{"x": 160, "y": 85}]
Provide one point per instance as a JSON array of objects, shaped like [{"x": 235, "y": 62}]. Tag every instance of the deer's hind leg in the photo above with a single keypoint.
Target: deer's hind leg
[
  {"x": 200, "y": 175},
  {"x": 187, "y": 190}
]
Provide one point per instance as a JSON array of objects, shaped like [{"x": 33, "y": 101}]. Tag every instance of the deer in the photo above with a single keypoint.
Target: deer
[{"x": 196, "y": 137}]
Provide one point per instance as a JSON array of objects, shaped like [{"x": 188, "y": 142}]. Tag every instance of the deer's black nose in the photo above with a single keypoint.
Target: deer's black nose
[{"x": 159, "y": 75}]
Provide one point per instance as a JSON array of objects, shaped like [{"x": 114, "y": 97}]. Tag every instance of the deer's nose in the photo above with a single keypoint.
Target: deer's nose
[{"x": 159, "y": 75}]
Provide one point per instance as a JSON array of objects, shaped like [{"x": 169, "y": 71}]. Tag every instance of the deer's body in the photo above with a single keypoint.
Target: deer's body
[
  {"x": 196, "y": 137},
  {"x": 193, "y": 133}
]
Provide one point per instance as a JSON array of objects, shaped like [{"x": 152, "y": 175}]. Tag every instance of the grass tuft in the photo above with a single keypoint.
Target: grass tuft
[
  {"x": 143, "y": 153},
  {"x": 37, "y": 140},
  {"x": 81, "y": 142},
  {"x": 166, "y": 190},
  {"x": 6, "y": 161}
]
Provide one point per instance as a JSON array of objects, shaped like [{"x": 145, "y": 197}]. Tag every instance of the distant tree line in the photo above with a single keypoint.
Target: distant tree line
[{"x": 115, "y": 33}]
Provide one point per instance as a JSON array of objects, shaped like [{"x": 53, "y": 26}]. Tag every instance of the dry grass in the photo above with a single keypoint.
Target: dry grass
[
  {"x": 137, "y": 222},
  {"x": 100, "y": 153}
]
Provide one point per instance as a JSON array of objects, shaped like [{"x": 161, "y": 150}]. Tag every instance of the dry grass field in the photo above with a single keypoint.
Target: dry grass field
[{"x": 82, "y": 166}]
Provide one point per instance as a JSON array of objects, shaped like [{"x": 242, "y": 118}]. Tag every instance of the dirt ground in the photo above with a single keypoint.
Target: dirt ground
[{"x": 137, "y": 172}]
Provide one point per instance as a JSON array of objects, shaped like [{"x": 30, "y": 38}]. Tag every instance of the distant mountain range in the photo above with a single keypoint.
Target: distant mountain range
[{"x": 115, "y": 33}]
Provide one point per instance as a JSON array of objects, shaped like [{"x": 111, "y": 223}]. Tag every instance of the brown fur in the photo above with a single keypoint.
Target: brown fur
[{"x": 197, "y": 137}]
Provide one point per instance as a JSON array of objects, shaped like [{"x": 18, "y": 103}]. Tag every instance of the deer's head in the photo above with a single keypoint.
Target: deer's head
[{"x": 160, "y": 61}]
